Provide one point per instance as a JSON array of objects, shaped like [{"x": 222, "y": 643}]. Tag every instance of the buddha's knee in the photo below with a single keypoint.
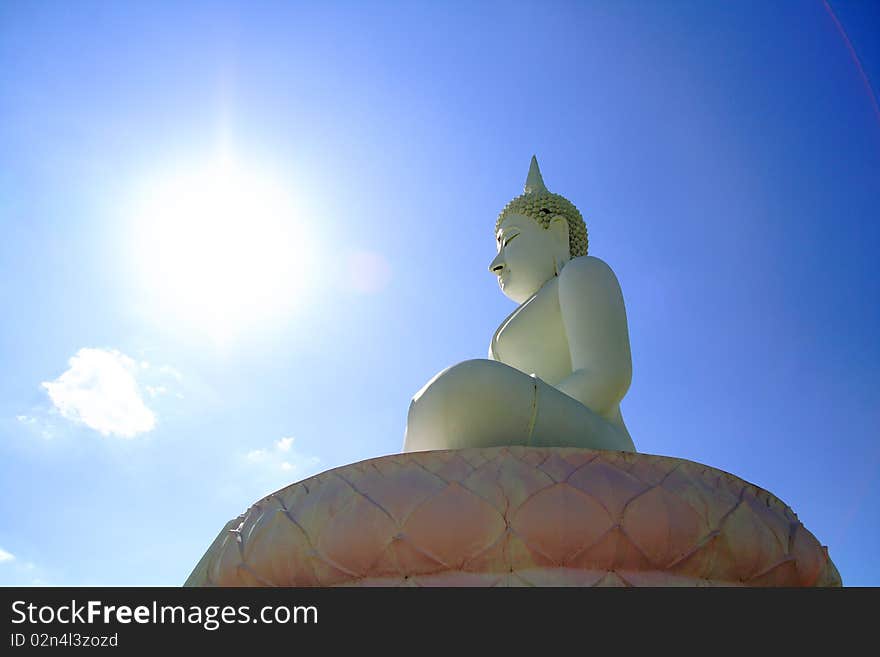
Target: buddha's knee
[
  {"x": 472, "y": 404},
  {"x": 459, "y": 381}
]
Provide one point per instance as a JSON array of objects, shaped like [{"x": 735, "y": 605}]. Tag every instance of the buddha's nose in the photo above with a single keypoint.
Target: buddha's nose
[{"x": 497, "y": 265}]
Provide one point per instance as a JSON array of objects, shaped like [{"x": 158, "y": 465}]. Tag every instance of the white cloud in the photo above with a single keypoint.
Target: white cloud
[
  {"x": 155, "y": 391},
  {"x": 38, "y": 425},
  {"x": 101, "y": 391},
  {"x": 170, "y": 371},
  {"x": 280, "y": 464},
  {"x": 257, "y": 455},
  {"x": 17, "y": 572}
]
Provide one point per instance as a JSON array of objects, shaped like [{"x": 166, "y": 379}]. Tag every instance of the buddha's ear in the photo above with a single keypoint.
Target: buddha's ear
[{"x": 559, "y": 228}]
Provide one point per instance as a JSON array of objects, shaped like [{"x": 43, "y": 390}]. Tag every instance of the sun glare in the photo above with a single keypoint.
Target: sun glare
[{"x": 222, "y": 248}]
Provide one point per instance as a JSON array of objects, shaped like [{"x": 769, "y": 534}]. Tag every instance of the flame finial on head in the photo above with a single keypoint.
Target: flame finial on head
[
  {"x": 542, "y": 205},
  {"x": 534, "y": 181}
]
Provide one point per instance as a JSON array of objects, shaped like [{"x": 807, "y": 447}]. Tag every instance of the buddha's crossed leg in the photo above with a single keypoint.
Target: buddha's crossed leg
[{"x": 484, "y": 403}]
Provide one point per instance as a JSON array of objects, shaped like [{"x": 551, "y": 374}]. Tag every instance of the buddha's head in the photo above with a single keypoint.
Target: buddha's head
[{"x": 536, "y": 234}]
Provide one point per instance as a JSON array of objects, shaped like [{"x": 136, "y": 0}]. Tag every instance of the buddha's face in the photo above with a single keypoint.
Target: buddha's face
[{"x": 528, "y": 254}]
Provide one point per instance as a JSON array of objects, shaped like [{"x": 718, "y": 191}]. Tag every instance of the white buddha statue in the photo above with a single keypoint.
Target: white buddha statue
[{"x": 559, "y": 365}]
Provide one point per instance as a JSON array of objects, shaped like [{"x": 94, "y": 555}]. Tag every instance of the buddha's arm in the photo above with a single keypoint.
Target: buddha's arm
[{"x": 595, "y": 324}]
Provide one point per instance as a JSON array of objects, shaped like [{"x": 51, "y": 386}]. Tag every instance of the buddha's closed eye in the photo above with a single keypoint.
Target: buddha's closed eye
[{"x": 507, "y": 240}]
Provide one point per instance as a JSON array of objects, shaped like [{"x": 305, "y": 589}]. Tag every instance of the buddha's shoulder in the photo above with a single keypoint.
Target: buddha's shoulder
[{"x": 586, "y": 270}]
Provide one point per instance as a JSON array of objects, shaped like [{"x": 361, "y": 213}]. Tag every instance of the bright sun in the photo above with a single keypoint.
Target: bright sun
[{"x": 221, "y": 248}]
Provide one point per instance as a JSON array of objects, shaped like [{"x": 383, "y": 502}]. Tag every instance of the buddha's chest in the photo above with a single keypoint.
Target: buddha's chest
[{"x": 533, "y": 338}]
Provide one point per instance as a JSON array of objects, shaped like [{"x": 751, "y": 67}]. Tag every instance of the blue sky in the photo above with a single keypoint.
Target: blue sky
[{"x": 160, "y": 375}]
